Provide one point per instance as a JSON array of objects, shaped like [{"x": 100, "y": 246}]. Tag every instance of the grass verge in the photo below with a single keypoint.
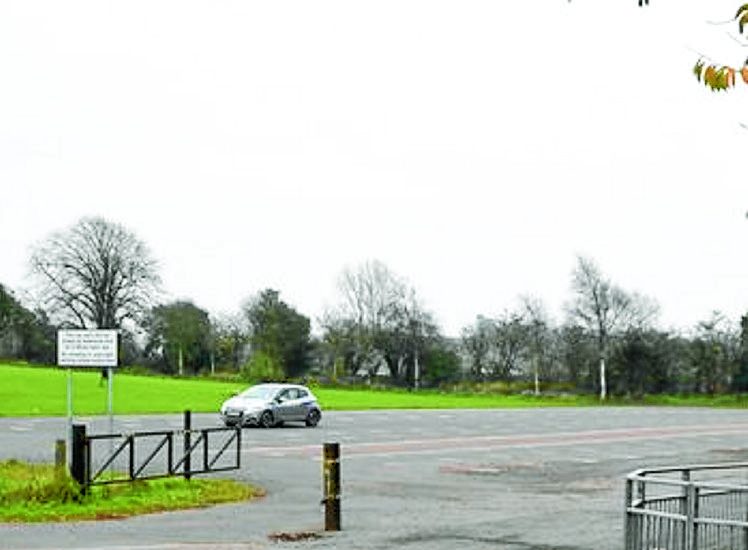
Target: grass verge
[{"x": 33, "y": 493}]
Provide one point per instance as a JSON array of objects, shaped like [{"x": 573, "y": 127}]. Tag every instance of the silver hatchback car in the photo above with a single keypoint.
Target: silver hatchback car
[{"x": 270, "y": 405}]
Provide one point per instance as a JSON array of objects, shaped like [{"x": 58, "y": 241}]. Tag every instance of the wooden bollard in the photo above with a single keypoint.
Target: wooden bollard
[
  {"x": 61, "y": 458},
  {"x": 331, "y": 480}
]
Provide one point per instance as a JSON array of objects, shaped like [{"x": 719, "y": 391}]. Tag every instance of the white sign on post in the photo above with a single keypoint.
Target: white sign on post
[{"x": 87, "y": 348}]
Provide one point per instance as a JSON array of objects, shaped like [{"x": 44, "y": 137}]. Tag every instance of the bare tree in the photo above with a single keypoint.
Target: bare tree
[
  {"x": 380, "y": 313},
  {"x": 370, "y": 294},
  {"x": 714, "y": 352},
  {"x": 496, "y": 347},
  {"x": 97, "y": 274},
  {"x": 538, "y": 334},
  {"x": 410, "y": 331},
  {"x": 232, "y": 334},
  {"x": 477, "y": 342},
  {"x": 510, "y": 336},
  {"x": 603, "y": 308}
]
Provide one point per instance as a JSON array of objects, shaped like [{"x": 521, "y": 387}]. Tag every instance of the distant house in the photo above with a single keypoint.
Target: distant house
[{"x": 374, "y": 364}]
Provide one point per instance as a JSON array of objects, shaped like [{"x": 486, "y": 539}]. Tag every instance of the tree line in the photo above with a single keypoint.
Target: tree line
[{"x": 98, "y": 274}]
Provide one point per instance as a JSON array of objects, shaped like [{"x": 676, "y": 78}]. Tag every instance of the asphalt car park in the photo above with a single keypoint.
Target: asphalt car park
[{"x": 535, "y": 478}]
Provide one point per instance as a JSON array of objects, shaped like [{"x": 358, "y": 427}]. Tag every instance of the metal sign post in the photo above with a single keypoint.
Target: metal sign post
[
  {"x": 110, "y": 406},
  {"x": 70, "y": 409},
  {"x": 110, "y": 398}
]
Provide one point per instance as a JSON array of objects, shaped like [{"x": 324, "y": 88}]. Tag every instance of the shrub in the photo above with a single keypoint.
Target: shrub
[{"x": 261, "y": 367}]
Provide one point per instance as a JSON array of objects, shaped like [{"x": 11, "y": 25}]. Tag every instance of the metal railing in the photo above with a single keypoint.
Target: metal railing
[
  {"x": 150, "y": 455},
  {"x": 125, "y": 457},
  {"x": 702, "y": 507}
]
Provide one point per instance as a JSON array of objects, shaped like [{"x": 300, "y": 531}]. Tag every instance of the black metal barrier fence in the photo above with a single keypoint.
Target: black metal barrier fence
[{"x": 154, "y": 454}]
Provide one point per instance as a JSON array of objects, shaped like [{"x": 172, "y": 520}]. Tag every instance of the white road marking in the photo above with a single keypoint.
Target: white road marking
[{"x": 484, "y": 443}]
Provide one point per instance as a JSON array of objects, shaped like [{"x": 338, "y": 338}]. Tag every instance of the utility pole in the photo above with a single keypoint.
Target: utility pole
[
  {"x": 416, "y": 366},
  {"x": 416, "y": 369}
]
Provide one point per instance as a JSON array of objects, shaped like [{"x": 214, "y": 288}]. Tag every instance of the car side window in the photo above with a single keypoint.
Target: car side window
[
  {"x": 283, "y": 396},
  {"x": 302, "y": 394},
  {"x": 292, "y": 393}
]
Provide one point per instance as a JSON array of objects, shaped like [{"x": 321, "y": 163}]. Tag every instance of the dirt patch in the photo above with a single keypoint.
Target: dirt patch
[{"x": 294, "y": 537}]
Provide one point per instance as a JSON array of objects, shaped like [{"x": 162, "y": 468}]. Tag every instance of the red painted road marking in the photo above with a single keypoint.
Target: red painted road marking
[{"x": 436, "y": 445}]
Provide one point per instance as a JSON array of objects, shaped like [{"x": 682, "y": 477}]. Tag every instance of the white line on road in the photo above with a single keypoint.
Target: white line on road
[
  {"x": 20, "y": 428},
  {"x": 483, "y": 443}
]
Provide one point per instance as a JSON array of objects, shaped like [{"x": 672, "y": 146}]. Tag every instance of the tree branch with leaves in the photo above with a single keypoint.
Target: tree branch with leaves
[{"x": 720, "y": 77}]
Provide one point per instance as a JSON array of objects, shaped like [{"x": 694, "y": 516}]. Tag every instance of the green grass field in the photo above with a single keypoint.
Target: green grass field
[
  {"x": 32, "y": 493},
  {"x": 42, "y": 391},
  {"x": 38, "y": 391}
]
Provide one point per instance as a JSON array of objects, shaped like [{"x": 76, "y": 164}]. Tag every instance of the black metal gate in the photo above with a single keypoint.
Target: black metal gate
[{"x": 155, "y": 454}]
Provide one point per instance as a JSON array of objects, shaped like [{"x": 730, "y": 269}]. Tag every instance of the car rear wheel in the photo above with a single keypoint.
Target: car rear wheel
[
  {"x": 266, "y": 419},
  {"x": 312, "y": 418}
]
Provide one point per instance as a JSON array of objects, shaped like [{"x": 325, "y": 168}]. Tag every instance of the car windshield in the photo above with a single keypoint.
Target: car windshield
[{"x": 258, "y": 392}]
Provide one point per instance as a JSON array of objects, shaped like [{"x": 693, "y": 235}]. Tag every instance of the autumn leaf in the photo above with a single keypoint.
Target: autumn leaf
[
  {"x": 709, "y": 75},
  {"x": 729, "y": 77},
  {"x": 698, "y": 69},
  {"x": 719, "y": 79}
]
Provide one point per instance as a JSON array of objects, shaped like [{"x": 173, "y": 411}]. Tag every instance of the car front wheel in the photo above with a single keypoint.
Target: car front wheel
[
  {"x": 266, "y": 419},
  {"x": 312, "y": 418}
]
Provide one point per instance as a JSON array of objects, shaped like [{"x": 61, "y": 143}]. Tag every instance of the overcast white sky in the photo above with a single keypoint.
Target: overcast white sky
[{"x": 475, "y": 147}]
